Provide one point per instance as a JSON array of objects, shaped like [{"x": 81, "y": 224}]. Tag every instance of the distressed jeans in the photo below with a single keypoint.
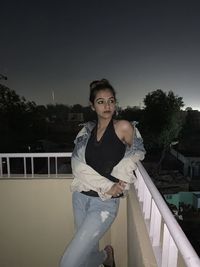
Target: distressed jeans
[{"x": 93, "y": 217}]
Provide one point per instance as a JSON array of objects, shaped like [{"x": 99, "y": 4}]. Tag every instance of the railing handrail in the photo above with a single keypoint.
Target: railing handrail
[
  {"x": 187, "y": 251},
  {"x": 36, "y": 155}
]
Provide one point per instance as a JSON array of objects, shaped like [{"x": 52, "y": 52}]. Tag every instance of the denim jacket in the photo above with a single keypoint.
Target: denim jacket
[{"x": 86, "y": 178}]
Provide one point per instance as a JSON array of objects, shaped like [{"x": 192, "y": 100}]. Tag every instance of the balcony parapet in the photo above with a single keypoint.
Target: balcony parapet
[{"x": 169, "y": 243}]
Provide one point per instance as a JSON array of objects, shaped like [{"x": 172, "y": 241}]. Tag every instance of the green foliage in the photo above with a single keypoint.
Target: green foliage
[
  {"x": 23, "y": 122},
  {"x": 190, "y": 134},
  {"x": 57, "y": 113},
  {"x": 18, "y": 119},
  {"x": 130, "y": 114},
  {"x": 162, "y": 119},
  {"x": 88, "y": 114},
  {"x": 77, "y": 108}
]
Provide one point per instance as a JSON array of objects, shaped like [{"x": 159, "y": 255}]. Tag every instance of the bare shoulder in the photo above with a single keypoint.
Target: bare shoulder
[
  {"x": 124, "y": 130},
  {"x": 124, "y": 125}
]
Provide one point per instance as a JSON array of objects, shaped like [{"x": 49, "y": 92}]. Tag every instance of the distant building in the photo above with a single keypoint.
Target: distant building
[
  {"x": 197, "y": 200},
  {"x": 191, "y": 164},
  {"x": 188, "y": 198},
  {"x": 76, "y": 117}
]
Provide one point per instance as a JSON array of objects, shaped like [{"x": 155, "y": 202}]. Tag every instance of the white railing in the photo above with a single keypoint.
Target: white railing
[
  {"x": 28, "y": 164},
  {"x": 167, "y": 238}
]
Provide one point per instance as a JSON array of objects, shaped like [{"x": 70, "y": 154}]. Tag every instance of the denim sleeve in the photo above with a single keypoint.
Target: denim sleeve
[{"x": 137, "y": 144}]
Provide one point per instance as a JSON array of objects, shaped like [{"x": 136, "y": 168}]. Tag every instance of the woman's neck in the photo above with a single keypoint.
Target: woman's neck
[{"x": 103, "y": 123}]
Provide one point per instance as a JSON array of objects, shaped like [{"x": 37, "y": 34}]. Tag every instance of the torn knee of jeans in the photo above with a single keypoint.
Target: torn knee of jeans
[{"x": 104, "y": 215}]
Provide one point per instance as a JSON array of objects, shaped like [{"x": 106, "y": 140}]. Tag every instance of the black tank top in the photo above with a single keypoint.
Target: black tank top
[{"x": 104, "y": 154}]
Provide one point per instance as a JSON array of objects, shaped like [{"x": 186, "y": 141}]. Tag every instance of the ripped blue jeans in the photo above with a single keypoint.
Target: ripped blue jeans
[{"x": 93, "y": 217}]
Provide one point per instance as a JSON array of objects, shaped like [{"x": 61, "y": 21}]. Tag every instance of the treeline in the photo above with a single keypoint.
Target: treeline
[{"x": 161, "y": 121}]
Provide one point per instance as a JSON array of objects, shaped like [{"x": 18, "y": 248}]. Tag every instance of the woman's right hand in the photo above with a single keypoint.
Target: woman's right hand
[{"x": 117, "y": 189}]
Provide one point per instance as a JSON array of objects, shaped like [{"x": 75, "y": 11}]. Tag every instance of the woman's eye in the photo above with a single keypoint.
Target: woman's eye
[{"x": 110, "y": 101}]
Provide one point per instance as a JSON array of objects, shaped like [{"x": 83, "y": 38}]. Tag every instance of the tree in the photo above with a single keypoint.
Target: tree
[
  {"x": 188, "y": 109},
  {"x": 190, "y": 134},
  {"x": 89, "y": 114},
  {"x": 57, "y": 113},
  {"x": 130, "y": 113},
  {"x": 77, "y": 108},
  {"x": 16, "y": 120},
  {"x": 162, "y": 120}
]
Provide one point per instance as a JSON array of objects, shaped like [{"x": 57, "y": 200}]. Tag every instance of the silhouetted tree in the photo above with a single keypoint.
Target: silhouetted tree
[
  {"x": 189, "y": 141},
  {"x": 130, "y": 114},
  {"x": 88, "y": 114},
  {"x": 77, "y": 108},
  {"x": 17, "y": 120},
  {"x": 188, "y": 109},
  {"x": 38, "y": 126},
  {"x": 57, "y": 113},
  {"x": 162, "y": 122}
]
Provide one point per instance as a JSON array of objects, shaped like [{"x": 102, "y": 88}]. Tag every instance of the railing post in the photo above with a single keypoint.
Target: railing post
[
  {"x": 56, "y": 166},
  {"x": 32, "y": 167},
  {"x": 140, "y": 188},
  {"x": 48, "y": 164},
  {"x": 155, "y": 225},
  {"x": 1, "y": 167},
  {"x": 8, "y": 166},
  {"x": 169, "y": 250},
  {"x": 25, "y": 172},
  {"x": 147, "y": 204}
]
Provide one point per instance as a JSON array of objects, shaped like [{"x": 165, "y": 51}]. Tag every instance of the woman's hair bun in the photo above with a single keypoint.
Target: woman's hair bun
[{"x": 99, "y": 83}]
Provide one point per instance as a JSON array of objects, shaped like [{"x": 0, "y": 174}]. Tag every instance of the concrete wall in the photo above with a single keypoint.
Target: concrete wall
[
  {"x": 140, "y": 253},
  {"x": 36, "y": 223}
]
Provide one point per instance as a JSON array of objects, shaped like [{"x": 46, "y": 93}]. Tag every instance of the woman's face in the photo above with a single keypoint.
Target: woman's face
[{"x": 104, "y": 104}]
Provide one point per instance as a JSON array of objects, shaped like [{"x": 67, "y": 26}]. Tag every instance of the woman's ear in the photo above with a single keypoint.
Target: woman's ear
[{"x": 92, "y": 106}]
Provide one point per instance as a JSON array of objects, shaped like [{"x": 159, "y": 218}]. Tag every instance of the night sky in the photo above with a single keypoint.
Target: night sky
[{"x": 139, "y": 46}]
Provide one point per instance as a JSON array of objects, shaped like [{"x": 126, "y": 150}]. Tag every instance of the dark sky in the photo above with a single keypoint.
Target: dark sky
[{"x": 139, "y": 46}]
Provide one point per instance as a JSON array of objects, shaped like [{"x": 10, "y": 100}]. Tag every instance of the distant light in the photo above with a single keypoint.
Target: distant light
[
  {"x": 174, "y": 143},
  {"x": 196, "y": 108}
]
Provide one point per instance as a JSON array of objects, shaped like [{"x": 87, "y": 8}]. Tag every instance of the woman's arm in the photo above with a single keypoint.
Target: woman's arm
[
  {"x": 125, "y": 131},
  {"x": 135, "y": 151},
  {"x": 89, "y": 176},
  {"x": 94, "y": 181}
]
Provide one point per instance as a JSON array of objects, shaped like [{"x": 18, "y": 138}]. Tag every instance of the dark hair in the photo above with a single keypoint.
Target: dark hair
[{"x": 98, "y": 85}]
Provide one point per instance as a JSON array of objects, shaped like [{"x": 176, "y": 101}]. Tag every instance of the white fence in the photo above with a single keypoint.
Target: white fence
[
  {"x": 167, "y": 237},
  {"x": 32, "y": 165}
]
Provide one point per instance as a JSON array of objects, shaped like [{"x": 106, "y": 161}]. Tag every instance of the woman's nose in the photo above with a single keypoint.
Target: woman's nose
[{"x": 107, "y": 103}]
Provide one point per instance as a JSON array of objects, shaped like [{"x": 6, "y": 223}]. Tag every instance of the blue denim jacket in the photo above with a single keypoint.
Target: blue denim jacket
[{"x": 86, "y": 178}]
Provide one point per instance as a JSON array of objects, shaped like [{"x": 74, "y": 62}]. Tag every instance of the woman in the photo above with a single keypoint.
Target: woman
[{"x": 105, "y": 155}]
